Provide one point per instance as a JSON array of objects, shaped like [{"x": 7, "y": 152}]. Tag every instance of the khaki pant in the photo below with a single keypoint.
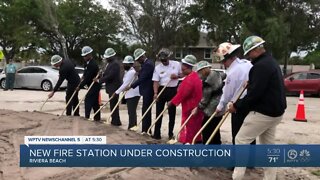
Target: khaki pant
[{"x": 262, "y": 126}]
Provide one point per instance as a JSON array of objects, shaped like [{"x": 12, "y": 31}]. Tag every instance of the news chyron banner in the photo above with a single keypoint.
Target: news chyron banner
[{"x": 93, "y": 151}]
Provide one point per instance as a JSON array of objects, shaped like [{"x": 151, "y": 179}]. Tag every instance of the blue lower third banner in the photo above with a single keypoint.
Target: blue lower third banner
[{"x": 169, "y": 155}]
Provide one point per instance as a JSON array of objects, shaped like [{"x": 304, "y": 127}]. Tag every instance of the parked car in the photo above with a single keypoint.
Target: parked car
[
  {"x": 308, "y": 81},
  {"x": 35, "y": 77},
  {"x": 1, "y": 70}
]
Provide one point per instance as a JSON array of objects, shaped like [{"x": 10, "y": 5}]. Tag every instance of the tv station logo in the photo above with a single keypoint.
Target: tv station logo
[{"x": 298, "y": 156}]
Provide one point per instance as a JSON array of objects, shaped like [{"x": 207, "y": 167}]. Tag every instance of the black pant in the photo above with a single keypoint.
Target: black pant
[
  {"x": 147, "y": 100},
  {"x": 10, "y": 77},
  {"x": 92, "y": 102},
  {"x": 73, "y": 103},
  {"x": 206, "y": 133},
  {"x": 115, "y": 115},
  {"x": 132, "y": 104},
  {"x": 236, "y": 123},
  {"x": 166, "y": 96}
]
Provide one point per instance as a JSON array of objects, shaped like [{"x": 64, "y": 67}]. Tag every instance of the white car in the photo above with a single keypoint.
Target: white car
[{"x": 35, "y": 77}]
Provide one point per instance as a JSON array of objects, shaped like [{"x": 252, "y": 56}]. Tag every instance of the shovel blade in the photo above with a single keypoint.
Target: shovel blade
[
  {"x": 134, "y": 128},
  {"x": 172, "y": 141}
]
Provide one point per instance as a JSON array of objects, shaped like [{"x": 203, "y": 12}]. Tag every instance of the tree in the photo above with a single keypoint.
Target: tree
[
  {"x": 286, "y": 25},
  {"x": 76, "y": 23},
  {"x": 156, "y": 23},
  {"x": 17, "y": 30}
]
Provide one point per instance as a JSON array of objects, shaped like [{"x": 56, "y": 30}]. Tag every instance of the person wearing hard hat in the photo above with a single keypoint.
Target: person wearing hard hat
[
  {"x": 67, "y": 72},
  {"x": 145, "y": 84},
  {"x": 211, "y": 93},
  {"x": 237, "y": 76},
  {"x": 189, "y": 95},
  {"x": 91, "y": 70},
  {"x": 111, "y": 77},
  {"x": 132, "y": 96},
  {"x": 265, "y": 100},
  {"x": 165, "y": 74}
]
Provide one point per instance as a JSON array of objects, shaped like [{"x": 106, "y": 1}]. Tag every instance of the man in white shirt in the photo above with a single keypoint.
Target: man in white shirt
[
  {"x": 237, "y": 77},
  {"x": 132, "y": 96},
  {"x": 165, "y": 73}
]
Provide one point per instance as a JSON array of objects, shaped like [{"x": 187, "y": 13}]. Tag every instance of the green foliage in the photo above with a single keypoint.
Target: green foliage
[
  {"x": 285, "y": 25},
  {"x": 314, "y": 58},
  {"x": 57, "y": 26},
  {"x": 316, "y": 172},
  {"x": 156, "y": 24}
]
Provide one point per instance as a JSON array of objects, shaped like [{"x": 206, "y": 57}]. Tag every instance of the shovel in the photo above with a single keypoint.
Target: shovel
[
  {"x": 71, "y": 98},
  {"x": 157, "y": 119},
  {"x": 175, "y": 140},
  {"x": 44, "y": 103},
  {"x": 86, "y": 92},
  {"x": 136, "y": 128},
  {"x": 91, "y": 119},
  {"x": 203, "y": 127},
  {"x": 224, "y": 117}
]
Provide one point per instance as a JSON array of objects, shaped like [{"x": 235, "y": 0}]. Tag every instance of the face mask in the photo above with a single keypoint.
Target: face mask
[{"x": 126, "y": 67}]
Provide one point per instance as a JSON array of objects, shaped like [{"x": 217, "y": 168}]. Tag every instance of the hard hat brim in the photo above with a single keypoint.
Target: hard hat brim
[
  {"x": 185, "y": 62},
  {"x": 108, "y": 56},
  {"x": 203, "y": 67},
  {"x": 52, "y": 64},
  {"x": 233, "y": 48},
  {"x": 127, "y": 62},
  {"x": 136, "y": 58},
  {"x": 84, "y": 54},
  {"x": 258, "y": 44}
]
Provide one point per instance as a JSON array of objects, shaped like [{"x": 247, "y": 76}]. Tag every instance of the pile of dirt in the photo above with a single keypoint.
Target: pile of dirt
[{"x": 16, "y": 125}]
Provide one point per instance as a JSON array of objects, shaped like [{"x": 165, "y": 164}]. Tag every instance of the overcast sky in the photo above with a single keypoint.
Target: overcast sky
[{"x": 105, "y": 3}]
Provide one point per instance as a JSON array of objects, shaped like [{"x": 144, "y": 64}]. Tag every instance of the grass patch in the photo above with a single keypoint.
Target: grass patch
[{"x": 316, "y": 172}]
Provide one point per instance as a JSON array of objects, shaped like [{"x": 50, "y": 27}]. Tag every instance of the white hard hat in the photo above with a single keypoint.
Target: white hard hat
[
  {"x": 86, "y": 50},
  {"x": 109, "y": 53},
  {"x": 226, "y": 49},
  {"x": 55, "y": 59}
]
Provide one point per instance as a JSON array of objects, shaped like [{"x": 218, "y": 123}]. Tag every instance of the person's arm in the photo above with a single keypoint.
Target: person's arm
[
  {"x": 227, "y": 93},
  {"x": 62, "y": 76},
  {"x": 183, "y": 93},
  {"x": 89, "y": 75},
  {"x": 145, "y": 74},
  {"x": 155, "y": 89},
  {"x": 110, "y": 73},
  {"x": 259, "y": 77},
  {"x": 127, "y": 79},
  {"x": 156, "y": 80}
]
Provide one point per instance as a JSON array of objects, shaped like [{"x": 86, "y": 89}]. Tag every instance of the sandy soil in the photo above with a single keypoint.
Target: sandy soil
[{"x": 25, "y": 120}]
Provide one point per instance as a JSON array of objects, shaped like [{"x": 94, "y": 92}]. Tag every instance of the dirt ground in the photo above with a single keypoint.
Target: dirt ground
[{"x": 20, "y": 116}]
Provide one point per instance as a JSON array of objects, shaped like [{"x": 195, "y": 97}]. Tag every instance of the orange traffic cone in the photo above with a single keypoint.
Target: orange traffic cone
[{"x": 300, "y": 115}]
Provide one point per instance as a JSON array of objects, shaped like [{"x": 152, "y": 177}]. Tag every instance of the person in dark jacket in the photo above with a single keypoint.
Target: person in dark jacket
[
  {"x": 265, "y": 100},
  {"x": 67, "y": 72},
  {"x": 145, "y": 84},
  {"x": 91, "y": 70},
  {"x": 111, "y": 77}
]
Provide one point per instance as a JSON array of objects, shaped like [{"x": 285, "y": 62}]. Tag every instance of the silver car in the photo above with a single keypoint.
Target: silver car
[{"x": 35, "y": 77}]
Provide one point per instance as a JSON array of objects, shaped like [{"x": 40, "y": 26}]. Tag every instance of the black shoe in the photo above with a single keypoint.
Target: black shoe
[
  {"x": 171, "y": 137},
  {"x": 230, "y": 168},
  {"x": 156, "y": 137},
  {"x": 116, "y": 124}
]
